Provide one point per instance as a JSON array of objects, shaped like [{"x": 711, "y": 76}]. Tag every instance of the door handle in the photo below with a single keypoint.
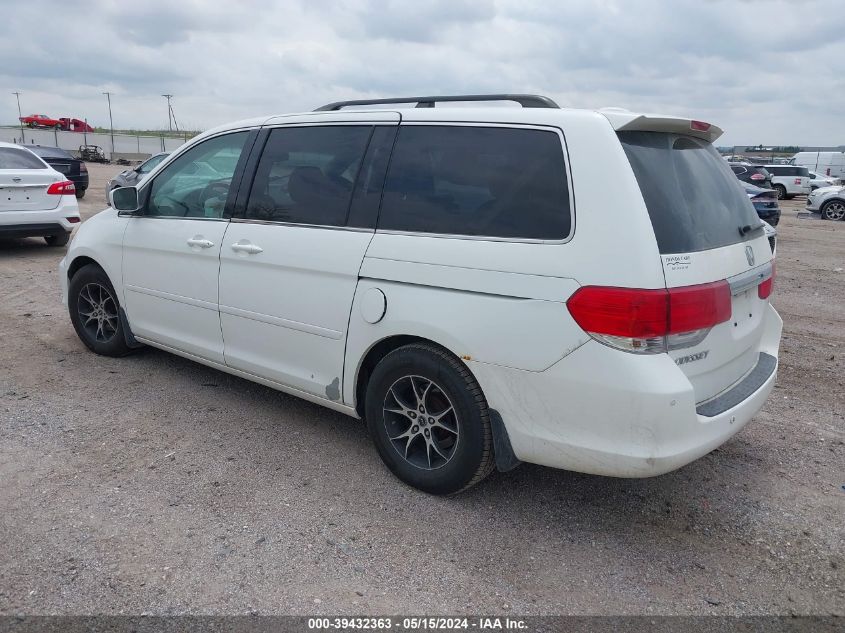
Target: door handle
[
  {"x": 247, "y": 248},
  {"x": 200, "y": 242}
]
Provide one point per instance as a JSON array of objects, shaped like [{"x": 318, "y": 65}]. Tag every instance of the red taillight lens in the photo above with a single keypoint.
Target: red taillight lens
[
  {"x": 797, "y": 181},
  {"x": 73, "y": 220},
  {"x": 700, "y": 126},
  {"x": 628, "y": 312},
  {"x": 764, "y": 290},
  {"x": 61, "y": 188},
  {"x": 757, "y": 177},
  {"x": 641, "y": 320},
  {"x": 698, "y": 307},
  {"x": 83, "y": 168}
]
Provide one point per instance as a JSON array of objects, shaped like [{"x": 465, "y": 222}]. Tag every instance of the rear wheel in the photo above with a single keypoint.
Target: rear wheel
[
  {"x": 95, "y": 312},
  {"x": 429, "y": 420},
  {"x": 833, "y": 210},
  {"x": 57, "y": 240},
  {"x": 80, "y": 193},
  {"x": 781, "y": 191}
]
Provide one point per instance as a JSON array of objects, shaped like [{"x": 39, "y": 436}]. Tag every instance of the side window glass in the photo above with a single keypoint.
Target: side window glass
[
  {"x": 306, "y": 174},
  {"x": 196, "y": 184},
  {"x": 482, "y": 181}
]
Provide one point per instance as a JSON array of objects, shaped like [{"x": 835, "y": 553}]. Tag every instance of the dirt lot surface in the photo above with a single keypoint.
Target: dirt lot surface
[{"x": 153, "y": 484}]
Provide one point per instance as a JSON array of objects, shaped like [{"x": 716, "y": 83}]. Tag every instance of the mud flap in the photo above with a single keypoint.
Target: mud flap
[
  {"x": 503, "y": 452},
  {"x": 128, "y": 337}
]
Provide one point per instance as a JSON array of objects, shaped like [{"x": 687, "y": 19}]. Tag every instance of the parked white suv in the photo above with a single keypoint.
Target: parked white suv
[
  {"x": 462, "y": 278},
  {"x": 35, "y": 199},
  {"x": 789, "y": 180}
]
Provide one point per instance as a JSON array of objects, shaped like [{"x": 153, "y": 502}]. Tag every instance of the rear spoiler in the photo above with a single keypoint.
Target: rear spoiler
[{"x": 623, "y": 120}]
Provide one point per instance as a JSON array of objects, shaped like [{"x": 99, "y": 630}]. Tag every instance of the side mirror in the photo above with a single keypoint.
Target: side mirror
[{"x": 124, "y": 199}]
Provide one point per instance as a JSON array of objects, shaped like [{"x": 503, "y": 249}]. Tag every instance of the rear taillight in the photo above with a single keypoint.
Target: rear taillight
[
  {"x": 764, "y": 290},
  {"x": 797, "y": 181},
  {"x": 83, "y": 168},
  {"x": 757, "y": 177},
  {"x": 63, "y": 188},
  {"x": 650, "y": 321}
]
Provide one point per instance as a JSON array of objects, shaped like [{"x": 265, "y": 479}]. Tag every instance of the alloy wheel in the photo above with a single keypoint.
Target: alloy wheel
[
  {"x": 421, "y": 422},
  {"x": 834, "y": 210},
  {"x": 97, "y": 312}
]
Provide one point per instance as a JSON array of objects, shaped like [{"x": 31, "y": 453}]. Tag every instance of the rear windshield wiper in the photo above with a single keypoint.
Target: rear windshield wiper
[{"x": 747, "y": 228}]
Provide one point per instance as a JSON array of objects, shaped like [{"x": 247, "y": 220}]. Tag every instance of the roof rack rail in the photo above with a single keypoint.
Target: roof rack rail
[{"x": 526, "y": 101}]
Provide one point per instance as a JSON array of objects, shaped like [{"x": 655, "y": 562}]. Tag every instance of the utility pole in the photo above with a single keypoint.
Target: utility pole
[
  {"x": 111, "y": 123},
  {"x": 20, "y": 116},
  {"x": 169, "y": 112}
]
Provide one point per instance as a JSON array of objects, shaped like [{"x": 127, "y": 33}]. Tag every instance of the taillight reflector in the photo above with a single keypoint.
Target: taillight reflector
[
  {"x": 700, "y": 126},
  {"x": 61, "y": 188},
  {"x": 639, "y": 314},
  {"x": 764, "y": 290}
]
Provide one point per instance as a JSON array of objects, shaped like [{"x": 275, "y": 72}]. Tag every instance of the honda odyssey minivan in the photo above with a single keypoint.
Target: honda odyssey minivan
[{"x": 463, "y": 279}]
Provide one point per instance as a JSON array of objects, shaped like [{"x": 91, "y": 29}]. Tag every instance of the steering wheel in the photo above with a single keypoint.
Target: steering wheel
[{"x": 216, "y": 189}]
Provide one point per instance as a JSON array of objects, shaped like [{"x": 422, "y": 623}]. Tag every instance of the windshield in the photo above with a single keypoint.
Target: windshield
[
  {"x": 150, "y": 164},
  {"x": 693, "y": 198}
]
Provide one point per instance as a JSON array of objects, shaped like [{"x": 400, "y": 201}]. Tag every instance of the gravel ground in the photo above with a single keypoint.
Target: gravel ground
[{"x": 153, "y": 484}]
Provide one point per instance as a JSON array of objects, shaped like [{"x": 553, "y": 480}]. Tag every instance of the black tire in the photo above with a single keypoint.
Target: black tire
[
  {"x": 781, "y": 191},
  {"x": 833, "y": 210},
  {"x": 80, "y": 193},
  {"x": 465, "y": 453},
  {"x": 57, "y": 240},
  {"x": 89, "y": 287}
]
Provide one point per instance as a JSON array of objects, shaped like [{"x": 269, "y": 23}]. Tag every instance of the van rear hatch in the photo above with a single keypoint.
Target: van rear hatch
[{"x": 717, "y": 263}]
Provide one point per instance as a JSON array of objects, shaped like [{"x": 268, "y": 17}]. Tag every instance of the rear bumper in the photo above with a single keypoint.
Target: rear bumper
[
  {"x": 62, "y": 219},
  {"x": 605, "y": 412}
]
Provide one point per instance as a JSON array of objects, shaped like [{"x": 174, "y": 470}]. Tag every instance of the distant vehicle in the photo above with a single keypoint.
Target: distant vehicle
[
  {"x": 765, "y": 202},
  {"x": 829, "y": 202},
  {"x": 818, "y": 180},
  {"x": 754, "y": 174},
  {"x": 789, "y": 180},
  {"x": 825, "y": 163},
  {"x": 41, "y": 120},
  {"x": 64, "y": 163},
  {"x": 75, "y": 125},
  {"x": 35, "y": 199},
  {"x": 92, "y": 154},
  {"x": 131, "y": 177}
]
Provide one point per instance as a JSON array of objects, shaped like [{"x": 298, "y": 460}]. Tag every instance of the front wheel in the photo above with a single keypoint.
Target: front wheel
[
  {"x": 429, "y": 420},
  {"x": 95, "y": 312},
  {"x": 833, "y": 210}
]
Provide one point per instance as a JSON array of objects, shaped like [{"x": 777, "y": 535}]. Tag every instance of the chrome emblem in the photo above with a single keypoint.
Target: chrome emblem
[
  {"x": 16, "y": 179},
  {"x": 749, "y": 255}
]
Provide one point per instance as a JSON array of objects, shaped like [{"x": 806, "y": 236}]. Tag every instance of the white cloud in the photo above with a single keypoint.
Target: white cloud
[{"x": 767, "y": 72}]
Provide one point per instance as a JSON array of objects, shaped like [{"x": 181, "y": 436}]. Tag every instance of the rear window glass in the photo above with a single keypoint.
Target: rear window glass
[
  {"x": 480, "y": 181},
  {"x": 11, "y": 158},
  {"x": 50, "y": 152},
  {"x": 788, "y": 171},
  {"x": 694, "y": 200}
]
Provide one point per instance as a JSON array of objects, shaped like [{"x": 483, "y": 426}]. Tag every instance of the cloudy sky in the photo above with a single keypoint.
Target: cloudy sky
[{"x": 767, "y": 71}]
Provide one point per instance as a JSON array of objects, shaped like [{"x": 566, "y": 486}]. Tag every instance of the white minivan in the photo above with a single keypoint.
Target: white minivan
[{"x": 463, "y": 279}]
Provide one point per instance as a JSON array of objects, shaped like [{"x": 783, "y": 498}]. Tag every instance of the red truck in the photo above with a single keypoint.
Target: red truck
[{"x": 62, "y": 123}]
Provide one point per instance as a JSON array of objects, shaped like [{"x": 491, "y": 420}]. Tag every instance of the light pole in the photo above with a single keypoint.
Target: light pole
[
  {"x": 20, "y": 116},
  {"x": 111, "y": 123},
  {"x": 169, "y": 118}
]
